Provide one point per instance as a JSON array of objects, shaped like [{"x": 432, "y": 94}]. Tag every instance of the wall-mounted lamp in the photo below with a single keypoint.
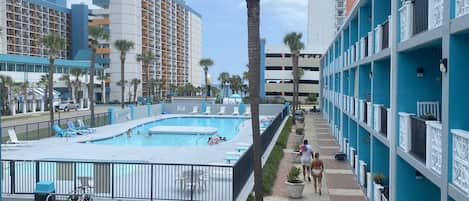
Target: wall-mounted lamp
[
  {"x": 444, "y": 65},
  {"x": 420, "y": 72},
  {"x": 371, "y": 75},
  {"x": 418, "y": 175}
]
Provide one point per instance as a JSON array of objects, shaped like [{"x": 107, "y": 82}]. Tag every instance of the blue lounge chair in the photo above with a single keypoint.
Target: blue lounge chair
[
  {"x": 82, "y": 126},
  {"x": 61, "y": 132},
  {"x": 71, "y": 127}
]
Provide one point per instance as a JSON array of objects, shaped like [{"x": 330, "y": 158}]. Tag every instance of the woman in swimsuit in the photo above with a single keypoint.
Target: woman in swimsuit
[{"x": 317, "y": 170}]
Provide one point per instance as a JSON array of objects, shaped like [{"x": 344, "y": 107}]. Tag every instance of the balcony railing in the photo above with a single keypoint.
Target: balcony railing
[
  {"x": 378, "y": 38},
  {"x": 404, "y": 131},
  {"x": 363, "y": 47},
  {"x": 356, "y": 107},
  {"x": 462, "y": 7},
  {"x": 385, "y": 39},
  {"x": 369, "y": 114},
  {"x": 406, "y": 13},
  {"x": 377, "y": 118},
  {"x": 420, "y": 19},
  {"x": 435, "y": 10},
  {"x": 434, "y": 151},
  {"x": 362, "y": 111},
  {"x": 357, "y": 51},
  {"x": 370, "y": 43},
  {"x": 418, "y": 138},
  {"x": 460, "y": 162}
]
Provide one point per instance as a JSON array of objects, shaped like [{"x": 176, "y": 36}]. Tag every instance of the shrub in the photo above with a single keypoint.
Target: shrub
[
  {"x": 300, "y": 131},
  {"x": 379, "y": 178},
  {"x": 293, "y": 175}
]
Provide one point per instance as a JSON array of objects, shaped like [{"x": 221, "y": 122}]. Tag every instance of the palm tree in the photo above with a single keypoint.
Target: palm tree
[
  {"x": 123, "y": 46},
  {"x": 146, "y": 58},
  {"x": 206, "y": 63},
  {"x": 236, "y": 83},
  {"x": 44, "y": 81},
  {"x": 135, "y": 82},
  {"x": 76, "y": 84},
  {"x": 245, "y": 76},
  {"x": 253, "y": 9},
  {"x": 223, "y": 78},
  {"x": 102, "y": 78},
  {"x": 293, "y": 41},
  {"x": 23, "y": 89},
  {"x": 6, "y": 82},
  {"x": 54, "y": 44},
  {"x": 299, "y": 73},
  {"x": 66, "y": 78},
  {"x": 155, "y": 85},
  {"x": 123, "y": 83},
  {"x": 96, "y": 34}
]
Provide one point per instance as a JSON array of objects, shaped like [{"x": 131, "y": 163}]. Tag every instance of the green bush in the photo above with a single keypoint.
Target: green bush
[
  {"x": 300, "y": 131},
  {"x": 293, "y": 175},
  {"x": 273, "y": 162}
]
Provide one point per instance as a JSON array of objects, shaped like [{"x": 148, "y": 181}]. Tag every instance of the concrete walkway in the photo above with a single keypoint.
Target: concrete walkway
[{"x": 338, "y": 184}]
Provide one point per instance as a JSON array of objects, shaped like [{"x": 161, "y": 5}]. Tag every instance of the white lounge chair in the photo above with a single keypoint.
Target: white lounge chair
[
  {"x": 195, "y": 110},
  {"x": 222, "y": 110},
  {"x": 233, "y": 153},
  {"x": 208, "y": 110},
  {"x": 236, "y": 111},
  {"x": 248, "y": 111},
  {"x": 14, "y": 138}
]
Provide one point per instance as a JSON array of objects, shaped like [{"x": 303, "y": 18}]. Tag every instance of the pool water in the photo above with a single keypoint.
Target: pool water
[{"x": 227, "y": 127}]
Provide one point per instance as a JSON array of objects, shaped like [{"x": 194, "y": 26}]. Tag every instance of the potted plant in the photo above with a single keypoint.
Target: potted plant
[
  {"x": 296, "y": 152},
  {"x": 378, "y": 182},
  {"x": 299, "y": 135},
  {"x": 295, "y": 186}
]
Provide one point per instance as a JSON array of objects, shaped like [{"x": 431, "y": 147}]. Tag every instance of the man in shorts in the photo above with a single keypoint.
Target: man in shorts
[{"x": 306, "y": 152}]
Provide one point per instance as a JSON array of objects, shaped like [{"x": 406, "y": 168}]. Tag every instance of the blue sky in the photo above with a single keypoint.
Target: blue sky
[{"x": 225, "y": 28}]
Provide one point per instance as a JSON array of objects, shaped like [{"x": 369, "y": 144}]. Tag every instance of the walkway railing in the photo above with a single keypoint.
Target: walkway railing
[
  {"x": 460, "y": 162},
  {"x": 43, "y": 129}
]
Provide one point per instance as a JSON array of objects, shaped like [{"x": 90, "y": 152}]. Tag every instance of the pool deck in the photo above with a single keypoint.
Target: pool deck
[{"x": 70, "y": 148}]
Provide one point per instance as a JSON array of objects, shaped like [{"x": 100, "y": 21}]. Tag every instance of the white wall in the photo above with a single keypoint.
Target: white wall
[
  {"x": 287, "y": 74},
  {"x": 33, "y": 77},
  {"x": 3, "y": 23},
  {"x": 125, "y": 24},
  {"x": 195, "y": 49},
  {"x": 321, "y": 24}
]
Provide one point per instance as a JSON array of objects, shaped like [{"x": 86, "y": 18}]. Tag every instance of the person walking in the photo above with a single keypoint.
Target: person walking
[
  {"x": 317, "y": 169},
  {"x": 306, "y": 152}
]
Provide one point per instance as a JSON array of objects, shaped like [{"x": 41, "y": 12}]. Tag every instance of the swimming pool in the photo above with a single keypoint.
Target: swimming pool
[{"x": 227, "y": 127}]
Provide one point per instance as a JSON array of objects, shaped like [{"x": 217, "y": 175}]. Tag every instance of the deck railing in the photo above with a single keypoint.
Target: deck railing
[
  {"x": 362, "y": 111},
  {"x": 461, "y": 8},
  {"x": 356, "y": 112},
  {"x": 404, "y": 131},
  {"x": 377, "y": 117},
  {"x": 378, "y": 38},
  {"x": 420, "y": 19},
  {"x": 369, "y": 114},
  {"x": 434, "y": 144},
  {"x": 385, "y": 38},
  {"x": 370, "y": 43},
  {"x": 418, "y": 138},
  {"x": 460, "y": 162},
  {"x": 406, "y": 13},
  {"x": 385, "y": 120}
]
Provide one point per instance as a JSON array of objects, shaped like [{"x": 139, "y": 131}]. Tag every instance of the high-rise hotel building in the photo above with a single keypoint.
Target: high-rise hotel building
[{"x": 168, "y": 28}]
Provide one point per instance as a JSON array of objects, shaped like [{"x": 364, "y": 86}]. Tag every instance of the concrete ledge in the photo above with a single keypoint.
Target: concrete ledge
[{"x": 183, "y": 130}]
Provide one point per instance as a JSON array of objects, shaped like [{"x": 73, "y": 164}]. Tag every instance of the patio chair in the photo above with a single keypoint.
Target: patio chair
[
  {"x": 247, "y": 112},
  {"x": 14, "y": 139},
  {"x": 235, "y": 110},
  {"x": 232, "y": 158},
  {"x": 195, "y": 110},
  {"x": 71, "y": 127},
  {"x": 208, "y": 110},
  {"x": 82, "y": 125},
  {"x": 222, "y": 110},
  {"x": 61, "y": 132}
]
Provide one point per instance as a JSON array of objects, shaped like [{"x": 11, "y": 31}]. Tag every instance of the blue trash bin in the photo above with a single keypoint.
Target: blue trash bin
[{"x": 43, "y": 189}]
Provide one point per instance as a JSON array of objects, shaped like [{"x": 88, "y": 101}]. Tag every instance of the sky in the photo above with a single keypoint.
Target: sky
[{"x": 224, "y": 28}]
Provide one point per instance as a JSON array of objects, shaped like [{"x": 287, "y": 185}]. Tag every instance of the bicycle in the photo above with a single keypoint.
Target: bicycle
[{"x": 80, "y": 194}]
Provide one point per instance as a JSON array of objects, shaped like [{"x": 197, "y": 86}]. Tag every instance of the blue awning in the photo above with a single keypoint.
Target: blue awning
[{"x": 19, "y": 59}]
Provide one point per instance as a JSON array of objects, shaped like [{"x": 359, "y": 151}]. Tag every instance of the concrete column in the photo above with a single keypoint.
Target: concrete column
[
  {"x": 88, "y": 102},
  {"x": 34, "y": 106},
  {"x": 81, "y": 103},
  {"x": 13, "y": 109},
  {"x": 111, "y": 116},
  {"x": 42, "y": 105},
  {"x": 25, "y": 108},
  {"x": 132, "y": 112}
]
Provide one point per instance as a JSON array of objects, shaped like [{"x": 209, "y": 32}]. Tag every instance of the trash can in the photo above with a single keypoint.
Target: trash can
[{"x": 43, "y": 189}]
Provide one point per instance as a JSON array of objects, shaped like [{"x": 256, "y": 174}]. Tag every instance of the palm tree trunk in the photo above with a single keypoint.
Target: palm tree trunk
[
  {"x": 122, "y": 83},
  {"x": 135, "y": 93},
  {"x": 206, "y": 86},
  {"x": 295, "y": 84},
  {"x": 91, "y": 86},
  {"x": 253, "y": 9},
  {"x": 51, "y": 89}
]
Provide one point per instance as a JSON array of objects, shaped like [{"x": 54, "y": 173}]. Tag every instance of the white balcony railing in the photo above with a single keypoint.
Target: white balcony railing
[
  {"x": 462, "y": 7},
  {"x": 369, "y": 114},
  {"x": 350, "y": 105},
  {"x": 357, "y": 51},
  {"x": 460, "y": 161},
  {"x": 362, "y": 173},
  {"x": 362, "y": 48},
  {"x": 362, "y": 110},
  {"x": 356, "y": 108},
  {"x": 354, "y": 54},
  {"x": 404, "y": 131},
  {"x": 377, "y": 117},
  {"x": 435, "y": 13},
  {"x": 434, "y": 151},
  {"x": 406, "y": 13},
  {"x": 370, "y": 43},
  {"x": 388, "y": 130},
  {"x": 378, "y": 38}
]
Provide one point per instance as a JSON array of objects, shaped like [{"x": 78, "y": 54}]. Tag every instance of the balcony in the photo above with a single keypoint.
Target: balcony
[
  {"x": 460, "y": 162},
  {"x": 385, "y": 38},
  {"x": 362, "y": 111},
  {"x": 461, "y": 8},
  {"x": 363, "y": 47},
  {"x": 435, "y": 10},
  {"x": 434, "y": 151},
  {"x": 370, "y": 43},
  {"x": 406, "y": 13},
  {"x": 355, "y": 103},
  {"x": 369, "y": 116},
  {"x": 377, "y": 117},
  {"x": 378, "y": 38}
]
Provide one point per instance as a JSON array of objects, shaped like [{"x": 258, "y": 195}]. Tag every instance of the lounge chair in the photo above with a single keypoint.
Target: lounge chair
[
  {"x": 236, "y": 111},
  {"x": 233, "y": 153},
  {"x": 61, "y": 132},
  {"x": 195, "y": 110},
  {"x": 81, "y": 125},
  {"x": 71, "y": 127},
  {"x": 208, "y": 110},
  {"x": 231, "y": 158},
  {"x": 14, "y": 138},
  {"x": 222, "y": 110},
  {"x": 247, "y": 112}
]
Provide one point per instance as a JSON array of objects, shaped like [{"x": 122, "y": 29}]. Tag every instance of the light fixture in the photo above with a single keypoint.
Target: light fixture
[
  {"x": 420, "y": 72},
  {"x": 444, "y": 65},
  {"x": 371, "y": 74}
]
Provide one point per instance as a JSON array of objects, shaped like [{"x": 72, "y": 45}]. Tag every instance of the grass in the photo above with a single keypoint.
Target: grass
[{"x": 273, "y": 162}]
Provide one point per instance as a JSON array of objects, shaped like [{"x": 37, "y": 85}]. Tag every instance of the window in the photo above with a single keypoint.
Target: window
[
  {"x": 273, "y": 68},
  {"x": 273, "y": 93},
  {"x": 2, "y": 67},
  {"x": 38, "y": 68},
  {"x": 274, "y": 55},
  {"x": 11, "y": 67},
  {"x": 309, "y": 82},
  {"x": 58, "y": 69},
  {"x": 30, "y": 68},
  {"x": 288, "y": 68}
]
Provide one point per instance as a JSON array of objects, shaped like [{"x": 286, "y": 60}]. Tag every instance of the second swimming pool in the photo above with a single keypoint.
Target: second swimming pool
[{"x": 227, "y": 127}]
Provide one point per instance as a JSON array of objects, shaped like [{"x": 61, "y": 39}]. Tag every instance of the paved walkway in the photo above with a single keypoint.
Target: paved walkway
[{"x": 339, "y": 183}]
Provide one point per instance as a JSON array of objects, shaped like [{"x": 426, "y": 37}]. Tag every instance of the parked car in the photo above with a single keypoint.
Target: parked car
[{"x": 67, "y": 106}]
